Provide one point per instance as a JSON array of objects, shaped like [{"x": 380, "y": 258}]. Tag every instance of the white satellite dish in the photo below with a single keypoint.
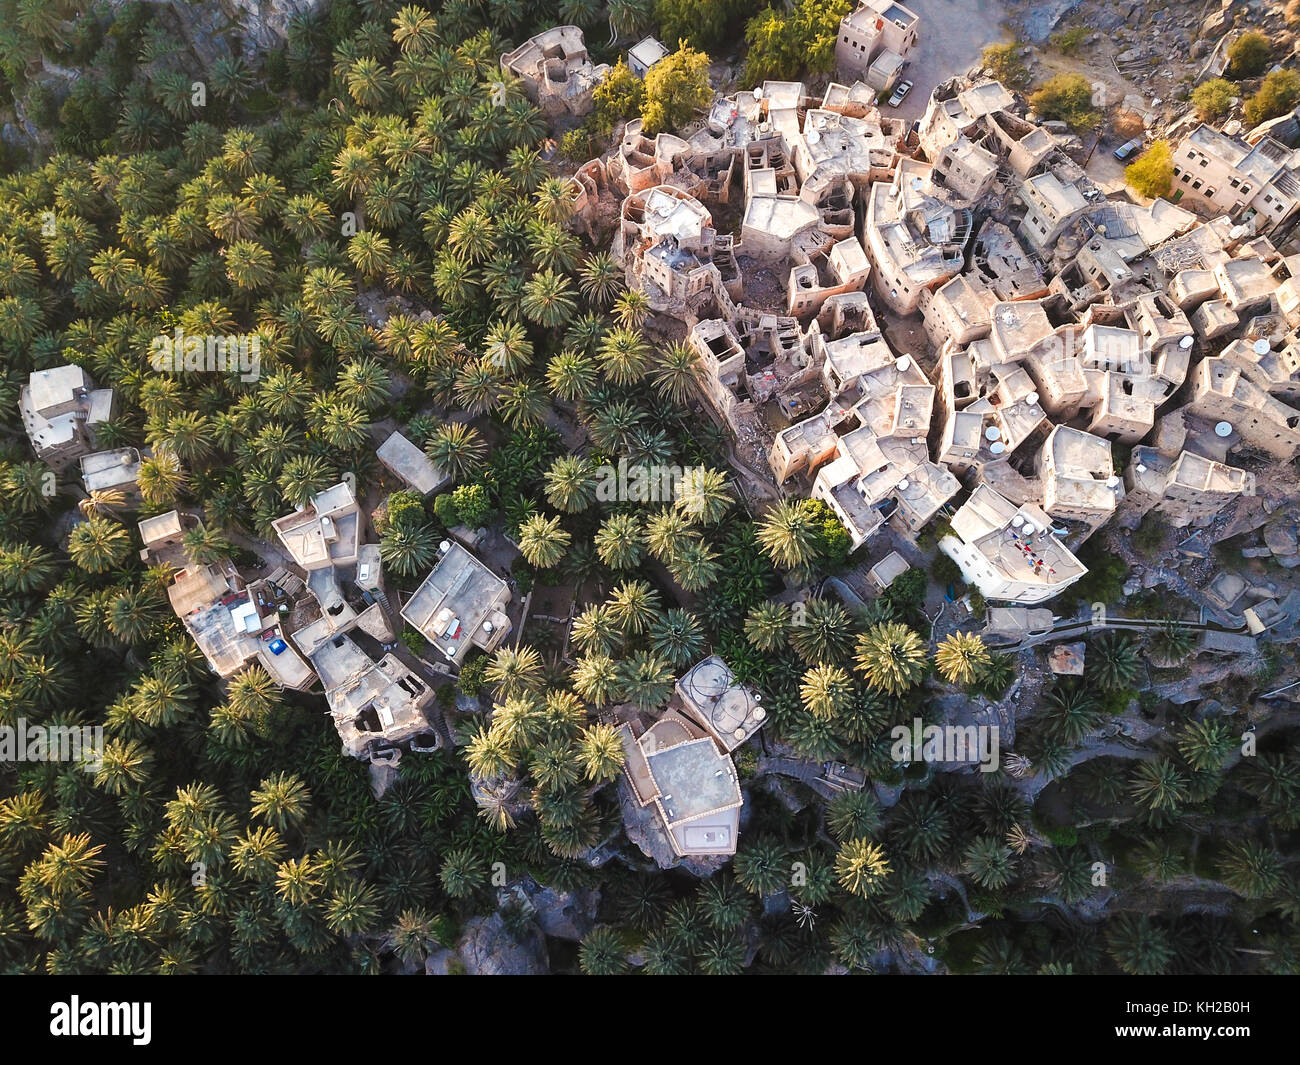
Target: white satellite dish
[
  {"x": 1261, "y": 346},
  {"x": 902, "y": 363},
  {"x": 758, "y": 93},
  {"x": 812, "y": 136},
  {"x": 1223, "y": 429},
  {"x": 992, "y": 433},
  {"x": 1141, "y": 467},
  {"x": 1187, "y": 342},
  {"x": 904, "y": 484},
  {"x": 1017, "y": 521},
  {"x": 445, "y": 546},
  {"x": 997, "y": 447},
  {"x": 1112, "y": 481},
  {"x": 1237, "y": 232},
  {"x": 1032, "y": 399}
]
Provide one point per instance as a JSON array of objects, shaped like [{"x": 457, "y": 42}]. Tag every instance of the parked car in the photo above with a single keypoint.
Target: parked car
[
  {"x": 900, "y": 93},
  {"x": 1128, "y": 148}
]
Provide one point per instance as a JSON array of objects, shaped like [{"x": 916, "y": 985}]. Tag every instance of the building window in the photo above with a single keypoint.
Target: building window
[
  {"x": 1245, "y": 188},
  {"x": 1196, "y": 184},
  {"x": 1235, "y": 183},
  {"x": 1205, "y": 162},
  {"x": 1177, "y": 171},
  {"x": 1268, "y": 198},
  {"x": 1187, "y": 178},
  {"x": 1209, "y": 191}
]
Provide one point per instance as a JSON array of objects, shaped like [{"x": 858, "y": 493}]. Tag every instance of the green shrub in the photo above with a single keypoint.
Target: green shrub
[
  {"x": 1248, "y": 55},
  {"x": 1067, "y": 42},
  {"x": 1153, "y": 171},
  {"x": 444, "y": 508},
  {"x": 473, "y": 504},
  {"x": 1213, "y": 99},
  {"x": 1279, "y": 93},
  {"x": 1005, "y": 62},
  {"x": 1067, "y": 98},
  {"x": 470, "y": 680}
]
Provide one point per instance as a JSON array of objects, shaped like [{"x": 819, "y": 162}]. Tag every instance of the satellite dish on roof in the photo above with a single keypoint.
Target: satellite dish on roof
[
  {"x": 812, "y": 136},
  {"x": 1238, "y": 231},
  {"x": 1187, "y": 342},
  {"x": 1141, "y": 467},
  {"x": 997, "y": 447},
  {"x": 487, "y": 626},
  {"x": 758, "y": 93},
  {"x": 1223, "y": 429},
  {"x": 1017, "y": 521},
  {"x": 1261, "y": 346},
  {"x": 1032, "y": 399},
  {"x": 1112, "y": 481},
  {"x": 904, "y": 484},
  {"x": 992, "y": 433},
  {"x": 445, "y": 546},
  {"x": 902, "y": 363}
]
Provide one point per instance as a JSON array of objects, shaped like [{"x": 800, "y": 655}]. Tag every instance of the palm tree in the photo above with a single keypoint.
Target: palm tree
[
  {"x": 618, "y": 541},
  {"x": 161, "y": 479},
  {"x": 132, "y": 615},
  {"x": 571, "y": 376},
  {"x": 1251, "y": 869},
  {"x": 633, "y": 605},
  {"x": 1170, "y": 643},
  {"x": 823, "y": 633},
  {"x": 463, "y": 870},
  {"x": 600, "y": 279},
  {"x": 646, "y": 680},
  {"x": 365, "y": 382},
  {"x": 825, "y": 691},
  {"x": 767, "y": 626},
  {"x": 892, "y": 657},
  {"x": 98, "y": 545},
  {"x": 596, "y": 630},
  {"x": 625, "y": 356},
  {"x": 603, "y": 952},
  {"x": 861, "y": 867},
  {"x": 678, "y": 373},
  {"x": 696, "y": 566},
  {"x": 281, "y": 800},
  {"x": 789, "y": 535},
  {"x": 667, "y": 533},
  {"x": 1205, "y": 745},
  {"x": 457, "y": 450},
  {"x": 570, "y": 484},
  {"x": 703, "y": 495},
  {"x": 205, "y": 546},
  {"x": 596, "y": 678},
  {"x": 1158, "y": 784},
  {"x": 489, "y": 755},
  {"x": 631, "y": 308},
  {"x": 515, "y": 671},
  {"x": 124, "y": 764},
  {"x": 407, "y": 550},
  {"x": 678, "y": 637},
  {"x": 1076, "y": 712},
  {"x": 611, "y": 425},
  {"x": 523, "y": 403},
  {"x": 478, "y": 388},
  {"x": 989, "y": 863},
  {"x": 1138, "y": 946},
  {"x": 602, "y": 753},
  {"x": 548, "y": 299},
  {"x": 960, "y": 656},
  {"x": 542, "y": 542},
  {"x": 1113, "y": 662}
]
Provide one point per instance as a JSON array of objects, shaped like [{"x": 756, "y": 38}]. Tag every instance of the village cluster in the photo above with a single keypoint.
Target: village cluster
[{"x": 1059, "y": 323}]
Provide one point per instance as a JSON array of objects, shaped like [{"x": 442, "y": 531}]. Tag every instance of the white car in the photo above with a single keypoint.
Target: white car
[{"x": 900, "y": 93}]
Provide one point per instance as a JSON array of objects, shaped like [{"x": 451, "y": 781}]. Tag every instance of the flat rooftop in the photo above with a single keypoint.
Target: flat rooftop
[
  {"x": 694, "y": 779},
  {"x": 456, "y": 600}
]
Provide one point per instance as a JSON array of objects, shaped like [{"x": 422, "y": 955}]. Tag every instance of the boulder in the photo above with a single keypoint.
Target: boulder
[{"x": 487, "y": 949}]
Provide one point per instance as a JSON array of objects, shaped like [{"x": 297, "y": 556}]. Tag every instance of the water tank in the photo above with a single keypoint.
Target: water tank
[
  {"x": 1223, "y": 429},
  {"x": 444, "y": 546},
  {"x": 1032, "y": 399},
  {"x": 992, "y": 433},
  {"x": 1187, "y": 342},
  {"x": 997, "y": 447},
  {"x": 1261, "y": 346}
]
